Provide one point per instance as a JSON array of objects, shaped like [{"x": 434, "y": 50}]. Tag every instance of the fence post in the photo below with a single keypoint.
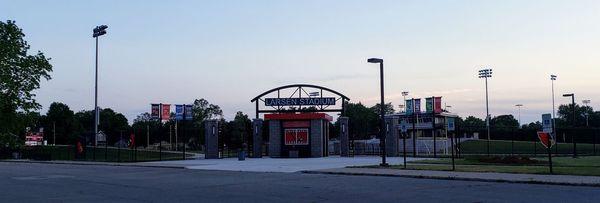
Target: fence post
[
  {"x": 512, "y": 142},
  {"x": 594, "y": 141}
]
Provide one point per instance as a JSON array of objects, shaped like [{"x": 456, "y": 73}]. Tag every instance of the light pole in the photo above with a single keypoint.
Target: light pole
[
  {"x": 553, "y": 78},
  {"x": 381, "y": 110},
  {"x": 519, "y": 106},
  {"x": 586, "y": 114},
  {"x": 573, "y": 123},
  {"x": 404, "y": 94},
  {"x": 486, "y": 73},
  {"x": 98, "y": 31}
]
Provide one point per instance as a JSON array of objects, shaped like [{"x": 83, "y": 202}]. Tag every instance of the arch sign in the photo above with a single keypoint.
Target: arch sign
[{"x": 299, "y": 98}]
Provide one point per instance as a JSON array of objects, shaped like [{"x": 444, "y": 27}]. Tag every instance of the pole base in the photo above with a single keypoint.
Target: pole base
[{"x": 384, "y": 165}]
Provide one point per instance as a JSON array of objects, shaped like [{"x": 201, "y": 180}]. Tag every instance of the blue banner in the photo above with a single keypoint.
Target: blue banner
[
  {"x": 178, "y": 112},
  {"x": 188, "y": 111}
]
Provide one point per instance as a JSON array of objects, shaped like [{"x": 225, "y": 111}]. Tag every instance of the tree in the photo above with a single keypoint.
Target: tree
[
  {"x": 389, "y": 108},
  {"x": 472, "y": 121},
  {"x": 362, "y": 122},
  {"x": 203, "y": 110},
  {"x": 505, "y": 121},
  {"x": 59, "y": 120},
  {"x": 20, "y": 74},
  {"x": 111, "y": 123},
  {"x": 565, "y": 116},
  {"x": 237, "y": 130}
]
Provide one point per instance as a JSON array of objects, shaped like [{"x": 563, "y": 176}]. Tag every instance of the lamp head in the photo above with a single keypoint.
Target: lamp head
[{"x": 375, "y": 60}]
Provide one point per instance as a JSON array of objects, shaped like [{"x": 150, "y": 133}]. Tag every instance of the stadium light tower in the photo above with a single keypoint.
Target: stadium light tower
[
  {"x": 586, "y": 114},
  {"x": 382, "y": 130},
  {"x": 553, "y": 78},
  {"x": 404, "y": 94},
  {"x": 486, "y": 73},
  {"x": 98, "y": 31},
  {"x": 572, "y": 122},
  {"x": 519, "y": 106}
]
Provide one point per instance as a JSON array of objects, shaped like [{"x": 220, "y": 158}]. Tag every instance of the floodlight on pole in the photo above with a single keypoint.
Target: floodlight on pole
[
  {"x": 519, "y": 107},
  {"x": 382, "y": 110},
  {"x": 98, "y": 31},
  {"x": 552, "y": 79},
  {"x": 486, "y": 73},
  {"x": 586, "y": 102},
  {"x": 404, "y": 94}
]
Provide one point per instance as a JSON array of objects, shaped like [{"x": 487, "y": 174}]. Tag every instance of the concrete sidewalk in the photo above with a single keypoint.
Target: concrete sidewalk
[{"x": 469, "y": 176}]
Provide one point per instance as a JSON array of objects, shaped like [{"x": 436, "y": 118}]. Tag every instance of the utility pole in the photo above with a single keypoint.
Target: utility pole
[{"x": 54, "y": 132}]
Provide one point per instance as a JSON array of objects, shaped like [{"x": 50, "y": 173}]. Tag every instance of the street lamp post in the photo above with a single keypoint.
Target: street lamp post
[
  {"x": 572, "y": 123},
  {"x": 486, "y": 73},
  {"x": 98, "y": 31},
  {"x": 381, "y": 110},
  {"x": 519, "y": 106}
]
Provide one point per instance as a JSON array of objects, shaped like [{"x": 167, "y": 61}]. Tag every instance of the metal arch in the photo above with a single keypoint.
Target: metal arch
[{"x": 299, "y": 86}]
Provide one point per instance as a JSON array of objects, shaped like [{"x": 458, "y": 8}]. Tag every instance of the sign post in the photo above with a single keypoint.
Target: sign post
[
  {"x": 546, "y": 140},
  {"x": 449, "y": 128},
  {"x": 404, "y": 129}
]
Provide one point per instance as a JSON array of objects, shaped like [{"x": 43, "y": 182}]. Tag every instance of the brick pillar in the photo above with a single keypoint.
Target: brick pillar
[
  {"x": 316, "y": 138},
  {"x": 257, "y": 125},
  {"x": 211, "y": 137},
  {"x": 275, "y": 136},
  {"x": 344, "y": 138},
  {"x": 391, "y": 137}
]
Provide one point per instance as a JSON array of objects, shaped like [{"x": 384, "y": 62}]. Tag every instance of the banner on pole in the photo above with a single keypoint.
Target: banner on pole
[
  {"x": 417, "y": 103},
  {"x": 429, "y": 105},
  {"x": 409, "y": 106},
  {"x": 178, "y": 112},
  {"x": 188, "y": 112},
  {"x": 166, "y": 112},
  {"x": 437, "y": 104},
  {"x": 155, "y": 111}
]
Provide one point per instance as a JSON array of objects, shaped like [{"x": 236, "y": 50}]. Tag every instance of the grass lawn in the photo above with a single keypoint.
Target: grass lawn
[
  {"x": 100, "y": 154},
  {"x": 524, "y": 147},
  {"x": 588, "y": 166}
]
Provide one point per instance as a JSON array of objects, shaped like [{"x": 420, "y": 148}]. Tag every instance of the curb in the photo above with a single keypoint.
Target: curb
[
  {"x": 92, "y": 164},
  {"x": 453, "y": 178}
]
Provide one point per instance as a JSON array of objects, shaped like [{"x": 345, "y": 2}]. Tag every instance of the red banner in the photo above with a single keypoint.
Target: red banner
[
  {"x": 166, "y": 112},
  {"x": 132, "y": 141},
  {"x": 437, "y": 104}
]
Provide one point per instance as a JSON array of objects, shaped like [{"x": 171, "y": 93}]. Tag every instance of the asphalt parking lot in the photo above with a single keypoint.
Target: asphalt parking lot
[{"x": 32, "y": 182}]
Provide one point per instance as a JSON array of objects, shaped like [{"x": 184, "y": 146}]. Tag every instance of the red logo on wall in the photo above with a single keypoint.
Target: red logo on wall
[{"x": 298, "y": 136}]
